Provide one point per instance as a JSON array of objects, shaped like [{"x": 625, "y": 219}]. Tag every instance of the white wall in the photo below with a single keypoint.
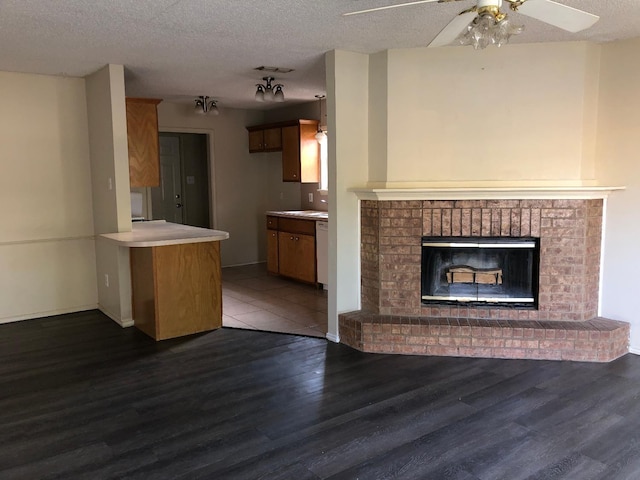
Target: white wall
[
  {"x": 47, "y": 257},
  {"x": 244, "y": 185},
  {"x": 619, "y": 164},
  {"x": 347, "y": 122},
  {"x": 518, "y": 113},
  {"x": 110, "y": 186}
]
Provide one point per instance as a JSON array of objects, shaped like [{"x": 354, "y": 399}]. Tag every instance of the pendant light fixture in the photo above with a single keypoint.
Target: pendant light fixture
[
  {"x": 269, "y": 93},
  {"x": 205, "y": 106},
  {"x": 321, "y": 135}
]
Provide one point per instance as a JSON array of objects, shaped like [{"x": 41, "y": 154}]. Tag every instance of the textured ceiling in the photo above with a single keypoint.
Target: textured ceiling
[{"x": 178, "y": 49}]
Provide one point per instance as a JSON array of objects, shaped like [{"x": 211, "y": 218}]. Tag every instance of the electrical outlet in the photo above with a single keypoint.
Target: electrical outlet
[
  {"x": 110, "y": 183},
  {"x": 106, "y": 279},
  {"x": 310, "y": 197}
]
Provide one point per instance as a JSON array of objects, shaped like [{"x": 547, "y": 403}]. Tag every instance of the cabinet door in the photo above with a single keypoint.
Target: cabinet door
[
  {"x": 142, "y": 139},
  {"x": 256, "y": 141},
  {"x": 306, "y": 251},
  {"x": 272, "y": 139},
  {"x": 297, "y": 256},
  {"x": 272, "y": 251},
  {"x": 291, "y": 154}
]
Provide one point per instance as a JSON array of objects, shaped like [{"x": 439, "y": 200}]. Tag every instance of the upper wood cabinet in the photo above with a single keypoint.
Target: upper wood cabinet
[
  {"x": 300, "y": 152},
  {"x": 265, "y": 139},
  {"x": 300, "y": 149},
  {"x": 142, "y": 139}
]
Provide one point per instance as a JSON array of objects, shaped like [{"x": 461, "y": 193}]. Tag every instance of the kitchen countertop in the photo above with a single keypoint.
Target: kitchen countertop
[
  {"x": 159, "y": 233},
  {"x": 303, "y": 214}
]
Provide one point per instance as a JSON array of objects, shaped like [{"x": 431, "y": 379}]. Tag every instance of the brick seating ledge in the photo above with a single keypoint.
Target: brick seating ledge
[{"x": 596, "y": 340}]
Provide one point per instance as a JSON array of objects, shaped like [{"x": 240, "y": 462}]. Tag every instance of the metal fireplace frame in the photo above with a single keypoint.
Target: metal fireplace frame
[{"x": 481, "y": 277}]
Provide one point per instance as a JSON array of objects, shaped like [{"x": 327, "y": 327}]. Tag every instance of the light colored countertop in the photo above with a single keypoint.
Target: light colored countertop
[
  {"x": 159, "y": 233},
  {"x": 302, "y": 214}
]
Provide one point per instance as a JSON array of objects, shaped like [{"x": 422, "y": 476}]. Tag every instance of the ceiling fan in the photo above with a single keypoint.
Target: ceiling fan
[{"x": 485, "y": 23}]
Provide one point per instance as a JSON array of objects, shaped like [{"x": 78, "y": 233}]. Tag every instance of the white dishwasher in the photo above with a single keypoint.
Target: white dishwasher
[{"x": 322, "y": 252}]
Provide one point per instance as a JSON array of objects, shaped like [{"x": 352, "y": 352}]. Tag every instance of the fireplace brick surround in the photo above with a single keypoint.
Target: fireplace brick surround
[{"x": 565, "y": 325}]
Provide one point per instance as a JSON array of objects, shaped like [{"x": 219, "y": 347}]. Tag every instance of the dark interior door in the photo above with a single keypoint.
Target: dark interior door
[{"x": 183, "y": 195}]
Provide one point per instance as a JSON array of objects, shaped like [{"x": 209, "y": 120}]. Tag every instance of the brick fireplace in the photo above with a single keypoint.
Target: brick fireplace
[{"x": 565, "y": 325}]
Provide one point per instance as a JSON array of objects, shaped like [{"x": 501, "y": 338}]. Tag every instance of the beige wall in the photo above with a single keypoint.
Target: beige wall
[
  {"x": 110, "y": 187},
  {"x": 619, "y": 164},
  {"x": 521, "y": 113},
  {"x": 47, "y": 257},
  {"x": 244, "y": 185},
  {"x": 348, "y": 112}
]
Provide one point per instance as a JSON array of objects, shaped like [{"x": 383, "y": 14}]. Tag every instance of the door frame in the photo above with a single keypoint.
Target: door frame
[{"x": 213, "y": 204}]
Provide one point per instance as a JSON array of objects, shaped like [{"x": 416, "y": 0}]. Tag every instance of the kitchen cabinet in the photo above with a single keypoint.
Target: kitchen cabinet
[
  {"x": 142, "y": 140},
  {"x": 296, "y": 140},
  {"x": 265, "y": 139},
  {"x": 300, "y": 153},
  {"x": 297, "y": 256},
  {"x": 291, "y": 248},
  {"x": 272, "y": 251}
]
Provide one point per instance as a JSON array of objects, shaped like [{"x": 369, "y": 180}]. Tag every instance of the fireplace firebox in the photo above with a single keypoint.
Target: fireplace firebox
[{"x": 496, "y": 271}]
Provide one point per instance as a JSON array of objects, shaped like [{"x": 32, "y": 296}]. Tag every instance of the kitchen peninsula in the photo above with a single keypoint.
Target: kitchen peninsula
[{"x": 175, "y": 277}]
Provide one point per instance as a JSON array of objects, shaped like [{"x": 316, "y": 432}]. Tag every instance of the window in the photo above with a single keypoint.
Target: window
[{"x": 324, "y": 165}]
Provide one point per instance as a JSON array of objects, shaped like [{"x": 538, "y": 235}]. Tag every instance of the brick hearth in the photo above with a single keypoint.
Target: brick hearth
[{"x": 565, "y": 325}]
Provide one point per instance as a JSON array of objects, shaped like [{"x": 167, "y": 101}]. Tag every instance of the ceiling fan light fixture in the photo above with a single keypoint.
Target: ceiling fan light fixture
[{"x": 489, "y": 28}]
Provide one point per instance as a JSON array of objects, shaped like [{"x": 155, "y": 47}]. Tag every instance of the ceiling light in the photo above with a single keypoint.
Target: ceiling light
[
  {"x": 205, "y": 106},
  {"x": 268, "y": 92},
  {"x": 490, "y": 27},
  {"x": 321, "y": 135}
]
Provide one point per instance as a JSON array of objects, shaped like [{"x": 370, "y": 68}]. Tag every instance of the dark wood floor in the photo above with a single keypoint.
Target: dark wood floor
[{"x": 81, "y": 398}]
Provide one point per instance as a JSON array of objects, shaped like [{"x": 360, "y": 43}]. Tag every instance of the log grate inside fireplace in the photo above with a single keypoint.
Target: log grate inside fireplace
[{"x": 480, "y": 271}]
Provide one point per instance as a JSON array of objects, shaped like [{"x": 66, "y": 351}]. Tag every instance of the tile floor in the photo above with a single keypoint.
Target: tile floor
[{"x": 253, "y": 299}]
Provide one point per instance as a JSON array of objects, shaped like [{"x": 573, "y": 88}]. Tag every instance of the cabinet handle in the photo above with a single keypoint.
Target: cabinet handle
[
  {"x": 291, "y": 238},
  {"x": 297, "y": 238}
]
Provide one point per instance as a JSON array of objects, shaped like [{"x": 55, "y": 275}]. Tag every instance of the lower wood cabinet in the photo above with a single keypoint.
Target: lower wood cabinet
[
  {"x": 291, "y": 248},
  {"x": 272, "y": 251},
  {"x": 297, "y": 256},
  {"x": 177, "y": 289}
]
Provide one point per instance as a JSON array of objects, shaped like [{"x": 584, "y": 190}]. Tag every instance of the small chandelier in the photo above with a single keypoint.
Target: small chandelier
[
  {"x": 268, "y": 92},
  {"x": 490, "y": 27},
  {"x": 321, "y": 135},
  {"x": 205, "y": 106}
]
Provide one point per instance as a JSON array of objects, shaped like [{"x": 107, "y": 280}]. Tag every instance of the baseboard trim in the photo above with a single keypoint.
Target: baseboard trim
[
  {"x": 244, "y": 264},
  {"x": 333, "y": 338},
  {"x": 48, "y": 313},
  {"x": 124, "y": 323},
  {"x": 634, "y": 350}
]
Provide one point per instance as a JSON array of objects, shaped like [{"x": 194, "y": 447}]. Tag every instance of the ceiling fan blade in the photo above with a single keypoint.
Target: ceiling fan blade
[
  {"x": 558, "y": 15},
  {"x": 453, "y": 29},
  {"x": 387, "y": 7}
]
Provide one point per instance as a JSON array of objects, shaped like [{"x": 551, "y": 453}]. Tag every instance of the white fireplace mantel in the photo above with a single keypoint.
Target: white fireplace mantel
[{"x": 486, "y": 193}]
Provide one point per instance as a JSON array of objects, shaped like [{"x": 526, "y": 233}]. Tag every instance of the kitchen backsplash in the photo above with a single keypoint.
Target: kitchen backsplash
[{"x": 320, "y": 202}]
